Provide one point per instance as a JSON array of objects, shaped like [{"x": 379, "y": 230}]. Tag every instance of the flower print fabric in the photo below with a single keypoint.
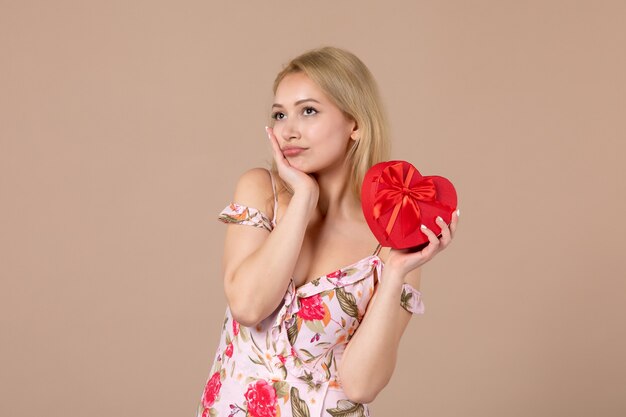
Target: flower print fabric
[{"x": 287, "y": 365}]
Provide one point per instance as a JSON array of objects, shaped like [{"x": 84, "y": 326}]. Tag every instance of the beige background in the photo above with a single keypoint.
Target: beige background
[{"x": 125, "y": 124}]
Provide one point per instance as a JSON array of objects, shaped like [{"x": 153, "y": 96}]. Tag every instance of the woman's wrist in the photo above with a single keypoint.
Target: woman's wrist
[
  {"x": 306, "y": 199},
  {"x": 393, "y": 275},
  {"x": 394, "y": 284}
]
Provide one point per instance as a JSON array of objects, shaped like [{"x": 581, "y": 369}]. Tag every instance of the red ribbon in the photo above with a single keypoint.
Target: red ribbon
[{"x": 393, "y": 193}]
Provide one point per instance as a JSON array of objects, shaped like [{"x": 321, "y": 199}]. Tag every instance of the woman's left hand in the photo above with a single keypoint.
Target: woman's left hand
[{"x": 404, "y": 261}]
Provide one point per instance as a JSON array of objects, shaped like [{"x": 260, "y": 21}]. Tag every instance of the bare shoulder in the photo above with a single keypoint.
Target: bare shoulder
[{"x": 254, "y": 189}]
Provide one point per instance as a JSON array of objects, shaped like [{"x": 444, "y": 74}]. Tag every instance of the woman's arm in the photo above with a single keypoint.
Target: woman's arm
[
  {"x": 257, "y": 285},
  {"x": 369, "y": 359},
  {"x": 256, "y": 278}
]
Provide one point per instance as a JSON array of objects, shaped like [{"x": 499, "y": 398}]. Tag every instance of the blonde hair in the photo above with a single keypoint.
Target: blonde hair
[{"x": 347, "y": 81}]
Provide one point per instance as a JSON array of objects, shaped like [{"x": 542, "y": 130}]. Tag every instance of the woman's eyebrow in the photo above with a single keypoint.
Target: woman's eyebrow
[{"x": 297, "y": 102}]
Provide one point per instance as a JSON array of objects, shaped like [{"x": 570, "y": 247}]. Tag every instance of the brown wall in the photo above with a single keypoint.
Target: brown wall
[{"x": 125, "y": 124}]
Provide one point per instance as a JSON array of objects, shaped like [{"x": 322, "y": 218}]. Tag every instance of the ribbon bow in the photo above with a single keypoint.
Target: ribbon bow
[{"x": 393, "y": 193}]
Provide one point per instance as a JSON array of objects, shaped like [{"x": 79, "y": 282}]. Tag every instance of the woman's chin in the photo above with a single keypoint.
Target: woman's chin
[{"x": 300, "y": 166}]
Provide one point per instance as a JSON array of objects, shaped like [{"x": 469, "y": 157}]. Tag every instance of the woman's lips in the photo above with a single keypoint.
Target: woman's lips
[{"x": 293, "y": 151}]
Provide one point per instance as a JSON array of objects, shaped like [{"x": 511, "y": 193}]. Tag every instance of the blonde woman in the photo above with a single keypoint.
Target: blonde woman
[{"x": 315, "y": 309}]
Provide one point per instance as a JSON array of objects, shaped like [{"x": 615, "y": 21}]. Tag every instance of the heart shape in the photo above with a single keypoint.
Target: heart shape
[{"x": 396, "y": 199}]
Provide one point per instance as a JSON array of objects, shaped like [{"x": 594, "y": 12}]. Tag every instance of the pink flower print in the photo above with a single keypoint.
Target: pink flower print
[
  {"x": 235, "y": 327},
  {"x": 261, "y": 399},
  {"x": 337, "y": 274},
  {"x": 293, "y": 352},
  {"x": 229, "y": 350},
  {"x": 282, "y": 358},
  {"x": 375, "y": 262},
  {"x": 211, "y": 390},
  {"x": 311, "y": 308}
]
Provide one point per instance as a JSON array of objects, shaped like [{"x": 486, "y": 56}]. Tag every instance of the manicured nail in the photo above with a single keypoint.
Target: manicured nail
[
  {"x": 439, "y": 218},
  {"x": 458, "y": 212},
  {"x": 423, "y": 227}
]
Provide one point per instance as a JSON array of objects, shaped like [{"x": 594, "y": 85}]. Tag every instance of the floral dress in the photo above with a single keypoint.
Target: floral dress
[{"x": 287, "y": 364}]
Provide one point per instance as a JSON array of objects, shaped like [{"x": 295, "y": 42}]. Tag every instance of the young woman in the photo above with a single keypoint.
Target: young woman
[{"x": 315, "y": 310}]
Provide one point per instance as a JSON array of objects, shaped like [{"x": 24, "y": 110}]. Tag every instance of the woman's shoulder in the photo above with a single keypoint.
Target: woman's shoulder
[{"x": 254, "y": 189}]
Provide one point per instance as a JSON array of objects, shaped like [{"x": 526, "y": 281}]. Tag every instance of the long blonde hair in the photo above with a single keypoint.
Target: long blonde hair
[{"x": 347, "y": 81}]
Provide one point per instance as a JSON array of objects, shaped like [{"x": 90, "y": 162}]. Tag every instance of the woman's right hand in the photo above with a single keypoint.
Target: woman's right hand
[{"x": 300, "y": 182}]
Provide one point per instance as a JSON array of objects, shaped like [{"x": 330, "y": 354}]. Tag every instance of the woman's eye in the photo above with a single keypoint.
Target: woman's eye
[{"x": 280, "y": 116}]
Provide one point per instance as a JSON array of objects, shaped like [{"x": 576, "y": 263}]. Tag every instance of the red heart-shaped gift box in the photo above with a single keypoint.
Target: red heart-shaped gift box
[{"x": 396, "y": 199}]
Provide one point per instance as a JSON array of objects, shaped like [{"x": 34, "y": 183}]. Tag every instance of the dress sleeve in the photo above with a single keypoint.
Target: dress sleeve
[
  {"x": 411, "y": 299},
  {"x": 240, "y": 214}
]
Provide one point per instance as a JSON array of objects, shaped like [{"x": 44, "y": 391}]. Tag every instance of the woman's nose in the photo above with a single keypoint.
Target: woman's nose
[{"x": 290, "y": 130}]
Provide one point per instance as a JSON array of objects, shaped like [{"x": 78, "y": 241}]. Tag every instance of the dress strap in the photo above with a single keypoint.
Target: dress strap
[
  {"x": 275, "y": 198},
  {"x": 377, "y": 250}
]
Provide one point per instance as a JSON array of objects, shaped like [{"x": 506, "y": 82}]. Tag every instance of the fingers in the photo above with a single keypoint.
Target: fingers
[
  {"x": 278, "y": 155},
  {"x": 445, "y": 231},
  {"x": 433, "y": 245},
  {"x": 271, "y": 137},
  {"x": 453, "y": 222},
  {"x": 447, "y": 234}
]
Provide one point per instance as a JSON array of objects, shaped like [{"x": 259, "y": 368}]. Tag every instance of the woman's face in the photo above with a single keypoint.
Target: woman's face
[{"x": 304, "y": 117}]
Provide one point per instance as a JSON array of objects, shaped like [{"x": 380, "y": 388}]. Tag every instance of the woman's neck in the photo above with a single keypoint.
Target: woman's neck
[{"x": 336, "y": 199}]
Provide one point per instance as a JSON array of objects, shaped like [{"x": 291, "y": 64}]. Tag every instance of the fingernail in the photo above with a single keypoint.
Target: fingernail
[
  {"x": 439, "y": 218},
  {"x": 423, "y": 227},
  {"x": 458, "y": 212}
]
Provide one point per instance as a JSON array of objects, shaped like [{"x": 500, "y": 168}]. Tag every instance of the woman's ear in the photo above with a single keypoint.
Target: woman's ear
[{"x": 356, "y": 133}]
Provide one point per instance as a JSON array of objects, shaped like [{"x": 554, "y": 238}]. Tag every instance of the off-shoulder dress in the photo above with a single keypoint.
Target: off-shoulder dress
[{"x": 287, "y": 365}]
